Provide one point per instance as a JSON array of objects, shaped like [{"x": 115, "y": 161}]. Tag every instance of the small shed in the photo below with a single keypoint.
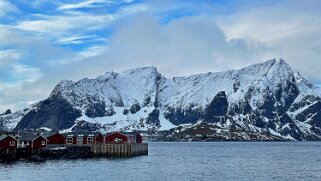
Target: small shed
[
  {"x": 116, "y": 137},
  {"x": 8, "y": 142}
]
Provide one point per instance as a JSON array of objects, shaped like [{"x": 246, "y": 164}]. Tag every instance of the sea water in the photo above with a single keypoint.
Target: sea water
[{"x": 185, "y": 161}]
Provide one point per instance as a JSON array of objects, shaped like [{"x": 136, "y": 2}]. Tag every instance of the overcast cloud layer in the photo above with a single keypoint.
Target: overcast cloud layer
[{"x": 43, "y": 42}]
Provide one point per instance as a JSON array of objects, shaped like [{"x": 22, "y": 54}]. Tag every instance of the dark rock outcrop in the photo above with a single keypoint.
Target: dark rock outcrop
[
  {"x": 54, "y": 112},
  {"x": 8, "y": 111},
  {"x": 217, "y": 109},
  {"x": 135, "y": 108},
  {"x": 180, "y": 116}
]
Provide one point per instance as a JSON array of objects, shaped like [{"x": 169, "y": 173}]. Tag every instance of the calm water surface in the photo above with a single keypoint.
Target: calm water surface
[{"x": 186, "y": 161}]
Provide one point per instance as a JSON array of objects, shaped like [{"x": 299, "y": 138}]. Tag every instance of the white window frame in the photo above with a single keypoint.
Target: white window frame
[
  {"x": 12, "y": 143},
  {"x": 43, "y": 143},
  {"x": 69, "y": 140},
  {"x": 90, "y": 139},
  {"x": 78, "y": 140}
]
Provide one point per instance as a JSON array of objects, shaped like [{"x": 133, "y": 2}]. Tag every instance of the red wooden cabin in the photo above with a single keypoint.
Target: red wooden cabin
[
  {"x": 8, "y": 142},
  {"x": 31, "y": 140},
  {"x": 83, "y": 138},
  {"x": 55, "y": 138}
]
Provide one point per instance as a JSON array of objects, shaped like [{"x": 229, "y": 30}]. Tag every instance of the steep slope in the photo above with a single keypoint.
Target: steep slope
[
  {"x": 259, "y": 99},
  {"x": 112, "y": 101}
]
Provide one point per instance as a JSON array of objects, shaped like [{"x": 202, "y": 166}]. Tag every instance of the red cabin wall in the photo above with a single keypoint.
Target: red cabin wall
[
  {"x": 74, "y": 140},
  {"x": 56, "y": 139},
  {"x": 139, "y": 138},
  {"x": 37, "y": 142},
  {"x": 5, "y": 143},
  {"x": 99, "y": 138},
  {"x": 111, "y": 138},
  {"x": 84, "y": 140}
]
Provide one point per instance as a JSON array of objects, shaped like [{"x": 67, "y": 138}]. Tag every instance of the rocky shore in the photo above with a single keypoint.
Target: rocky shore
[
  {"x": 67, "y": 152},
  {"x": 49, "y": 153}
]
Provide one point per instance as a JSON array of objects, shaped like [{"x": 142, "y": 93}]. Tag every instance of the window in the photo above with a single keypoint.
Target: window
[
  {"x": 12, "y": 143},
  {"x": 90, "y": 139},
  {"x": 27, "y": 143},
  {"x": 69, "y": 140},
  {"x": 43, "y": 143},
  {"x": 79, "y": 140}
]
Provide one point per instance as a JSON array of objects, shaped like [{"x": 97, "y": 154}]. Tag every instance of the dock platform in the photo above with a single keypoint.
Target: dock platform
[{"x": 120, "y": 150}]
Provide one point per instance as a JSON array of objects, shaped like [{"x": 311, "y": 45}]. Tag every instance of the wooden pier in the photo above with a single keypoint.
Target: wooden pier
[{"x": 120, "y": 150}]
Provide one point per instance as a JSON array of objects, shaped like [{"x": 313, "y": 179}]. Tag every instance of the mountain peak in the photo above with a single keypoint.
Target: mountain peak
[{"x": 148, "y": 69}]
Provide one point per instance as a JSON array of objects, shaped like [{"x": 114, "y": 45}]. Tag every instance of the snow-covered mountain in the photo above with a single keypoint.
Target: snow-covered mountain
[{"x": 261, "y": 98}]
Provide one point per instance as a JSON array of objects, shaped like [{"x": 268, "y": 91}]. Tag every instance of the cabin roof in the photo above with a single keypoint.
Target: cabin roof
[
  {"x": 82, "y": 134},
  {"x": 46, "y": 135},
  {"x": 5, "y": 136},
  {"x": 2, "y": 137},
  {"x": 128, "y": 134},
  {"x": 29, "y": 136}
]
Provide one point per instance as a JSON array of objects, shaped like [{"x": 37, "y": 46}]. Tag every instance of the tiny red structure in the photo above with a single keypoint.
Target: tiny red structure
[
  {"x": 116, "y": 137},
  {"x": 39, "y": 142},
  {"x": 8, "y": 142}
]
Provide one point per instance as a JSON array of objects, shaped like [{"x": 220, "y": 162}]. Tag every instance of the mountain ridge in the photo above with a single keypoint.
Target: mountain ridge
[{"x": 264, "y": 97}]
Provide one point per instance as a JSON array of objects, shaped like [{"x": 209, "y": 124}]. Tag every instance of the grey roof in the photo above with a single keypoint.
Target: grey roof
[
  {"x": 46, "y": 135},
  {"x": 4, "y": 136},
  {"x": 129, "y": 134},
  {"x": 82, "y": 133},
  {"x": 28, "y": 136}
]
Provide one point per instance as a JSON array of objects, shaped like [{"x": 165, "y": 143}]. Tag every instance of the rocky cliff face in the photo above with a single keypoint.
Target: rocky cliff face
[{"x": 261, "y": 98}]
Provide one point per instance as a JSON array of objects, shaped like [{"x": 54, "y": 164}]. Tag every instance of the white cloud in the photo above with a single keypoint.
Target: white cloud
[
  {"x": 80, "y": 39},
  {"x": 181, "y": 47},
  {"x": 291, "y": 27},
  {"x": 7, "y": 7},
  {"x": 56, "y": 25},
  {"x": 9, "y": 56},
  {"x": 85, "y": 4}
]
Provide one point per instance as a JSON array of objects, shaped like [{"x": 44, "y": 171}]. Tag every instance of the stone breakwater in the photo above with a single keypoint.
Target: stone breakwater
[
  {"x": 49, "y": 153},
  {"x": 67, "y": 152},
  {"x": 77, "y": 152}
]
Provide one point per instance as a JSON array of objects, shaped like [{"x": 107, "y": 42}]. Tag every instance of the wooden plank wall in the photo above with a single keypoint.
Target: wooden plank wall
[{"x": 120, "y": 150}]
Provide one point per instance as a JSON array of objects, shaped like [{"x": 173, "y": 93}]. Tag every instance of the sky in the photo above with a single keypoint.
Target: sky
[{"x": 45, "y": 41}]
